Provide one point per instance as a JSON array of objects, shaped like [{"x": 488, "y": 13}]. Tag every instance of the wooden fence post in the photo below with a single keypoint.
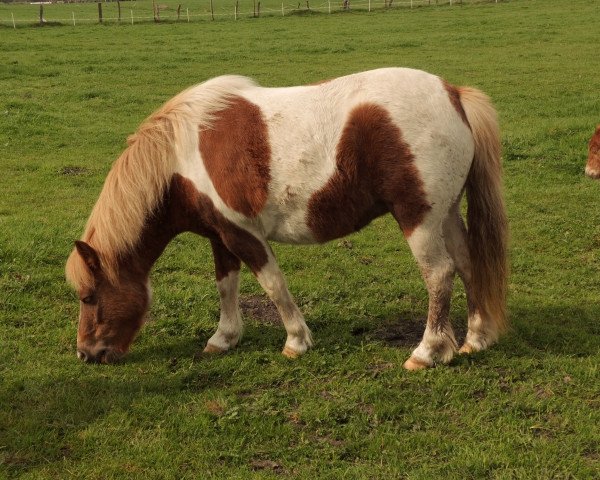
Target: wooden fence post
[
  {"x": 178, "y": 11},
  {"x": 41, "y": 14},
  {"x": 212, "y": 11},
  {"x": 235, "y": 12},
  {"x": 99, "y": 12},
  {"x": 258, "y": 10},
  {"x": 119, "y": 10}
]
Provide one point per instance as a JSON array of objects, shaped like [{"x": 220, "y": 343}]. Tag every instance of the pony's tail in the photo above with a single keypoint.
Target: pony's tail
[{"x": 486, "y": 215}]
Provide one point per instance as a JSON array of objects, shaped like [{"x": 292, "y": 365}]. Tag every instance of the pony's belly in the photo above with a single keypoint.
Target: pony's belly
[{"x": 287, "y": 227}]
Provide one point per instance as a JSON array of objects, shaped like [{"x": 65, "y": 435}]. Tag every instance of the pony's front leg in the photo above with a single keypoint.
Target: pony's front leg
[
  {"x": 271, "y": 279},
  {"x": 227, "y": 270},
  {"x": 438, "y": 343}
]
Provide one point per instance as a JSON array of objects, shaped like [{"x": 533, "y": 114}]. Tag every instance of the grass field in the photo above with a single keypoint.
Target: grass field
[{"x": 527, "y": 408}]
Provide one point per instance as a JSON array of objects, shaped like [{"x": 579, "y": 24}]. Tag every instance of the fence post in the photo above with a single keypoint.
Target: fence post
[
  {"x": 188, "y": 14},
  {"x": 131, "y": 16},
  {"x": 119, "y": 10},
  {"x": 73, "y": 13},
  {"x": 41, "y": 14},
  {"x": 99, "y": 12},
  {"x": 178, "y": 10},
  {"x": 282, "y": 14},
  {"x": 13, "y": 19},
  {"x": 235, "y": 10},
  {"x": 329, "y": 5},
  {"x": 212, "y": 12},
  {"x": 258, "y": 9}
]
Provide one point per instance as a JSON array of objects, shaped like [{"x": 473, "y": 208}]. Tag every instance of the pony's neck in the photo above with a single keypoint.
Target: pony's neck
[{"x": 177, "y": 212}]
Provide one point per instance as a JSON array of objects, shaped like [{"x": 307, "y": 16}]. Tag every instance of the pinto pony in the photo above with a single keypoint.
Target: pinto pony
[
  {"x": 241, "y": 164},
  {"x": 592, "y": 168}
]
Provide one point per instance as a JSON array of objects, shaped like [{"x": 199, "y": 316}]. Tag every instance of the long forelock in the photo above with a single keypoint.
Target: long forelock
[
  {"x": 136, "y": 183},
  {"x": 77, "y": 273}
]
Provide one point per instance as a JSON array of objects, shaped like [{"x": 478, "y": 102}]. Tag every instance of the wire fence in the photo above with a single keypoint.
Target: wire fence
[{"x": 45, "y": 13}]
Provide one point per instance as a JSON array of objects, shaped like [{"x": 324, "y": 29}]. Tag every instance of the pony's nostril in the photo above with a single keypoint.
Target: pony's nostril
[
  {"x": 102, "y": 356},
  {"x": 81, "y": 355}
]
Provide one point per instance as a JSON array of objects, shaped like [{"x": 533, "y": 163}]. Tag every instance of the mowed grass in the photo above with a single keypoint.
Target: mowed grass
[{"x": 527, "y": 408}]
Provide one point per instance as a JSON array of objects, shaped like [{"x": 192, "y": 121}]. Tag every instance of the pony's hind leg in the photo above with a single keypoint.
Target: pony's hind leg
[
  {"x": 271, "y": 279},
  {"x": 438, "y": 344},
  {"x": 227, "y": 269},
  {"x": 481, "y": 333}
]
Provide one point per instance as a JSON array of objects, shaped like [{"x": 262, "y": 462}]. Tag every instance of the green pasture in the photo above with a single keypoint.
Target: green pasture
[{"x": 529, "y": 408}]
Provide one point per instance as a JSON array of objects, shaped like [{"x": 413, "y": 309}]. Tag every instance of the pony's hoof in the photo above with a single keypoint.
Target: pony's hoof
[
  {"x": 466, "y": 349},
  {"x": 211, "y": 349},
  {"x": 290, "y": 352},
  {"x": 415, "y": 364}
]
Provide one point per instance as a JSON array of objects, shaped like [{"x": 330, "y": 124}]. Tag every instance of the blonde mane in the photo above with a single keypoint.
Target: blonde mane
[{"x": 136, "y": 183}]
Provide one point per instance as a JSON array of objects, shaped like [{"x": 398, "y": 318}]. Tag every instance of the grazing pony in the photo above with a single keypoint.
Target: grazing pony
[
  {"x": 592, "y": 168},
  {"x": 241, "y": 164}
]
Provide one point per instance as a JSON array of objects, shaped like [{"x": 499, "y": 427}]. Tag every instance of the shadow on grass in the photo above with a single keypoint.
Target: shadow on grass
[{"x": 560, "y": 330}]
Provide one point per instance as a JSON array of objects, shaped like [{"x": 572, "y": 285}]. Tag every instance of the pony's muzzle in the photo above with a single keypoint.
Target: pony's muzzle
[{"x": 104, "y": 355}]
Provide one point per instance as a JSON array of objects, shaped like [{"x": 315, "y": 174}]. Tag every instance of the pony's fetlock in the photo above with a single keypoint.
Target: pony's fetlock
[
  {"x": 221, "y": 342},
  {"x": 297, "y": 345},
  {"x": 477, "y": 340},
  {"x": 435, "y": 348}
]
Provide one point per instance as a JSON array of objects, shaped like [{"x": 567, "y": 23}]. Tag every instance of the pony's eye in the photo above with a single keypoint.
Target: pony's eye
[{"x": 89, "y": 299}]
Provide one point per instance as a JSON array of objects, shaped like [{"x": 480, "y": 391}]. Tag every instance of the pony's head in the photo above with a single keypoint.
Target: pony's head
[{"x": 111, "y": 311}]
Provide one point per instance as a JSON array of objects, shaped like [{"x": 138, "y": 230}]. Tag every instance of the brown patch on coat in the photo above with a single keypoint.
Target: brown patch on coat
[
  {"x": 454, "y": 96},
  {"x": 592, "y": 168},
  {"x": 191, "y": 210},
  {"x": 236, "y": 154},
  {"x": 225, "y": 261},
  {"x": 375, "y": 174}
]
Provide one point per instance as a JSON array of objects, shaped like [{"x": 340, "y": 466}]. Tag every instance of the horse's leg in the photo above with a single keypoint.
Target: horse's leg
[
  {"x": 438, "y": 343},
  {"x": 480, "y": 334},
  {"x": 271, "y": 279},
  {"x": 227, "y": 269}
]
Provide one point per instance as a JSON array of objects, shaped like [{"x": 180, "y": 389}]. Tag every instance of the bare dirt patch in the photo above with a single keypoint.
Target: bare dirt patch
[
  {"x": 260, "y": 308},
  {"x": 408, "y": 333},
  {"x": 73, "y": 171}
]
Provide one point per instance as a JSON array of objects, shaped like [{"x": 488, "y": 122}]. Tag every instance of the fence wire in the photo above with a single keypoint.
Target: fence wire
[{"x": 42, "y": 13}]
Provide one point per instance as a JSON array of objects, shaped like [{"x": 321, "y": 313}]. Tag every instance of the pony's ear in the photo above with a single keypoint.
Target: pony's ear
[{"x": 89, "y": 255}]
